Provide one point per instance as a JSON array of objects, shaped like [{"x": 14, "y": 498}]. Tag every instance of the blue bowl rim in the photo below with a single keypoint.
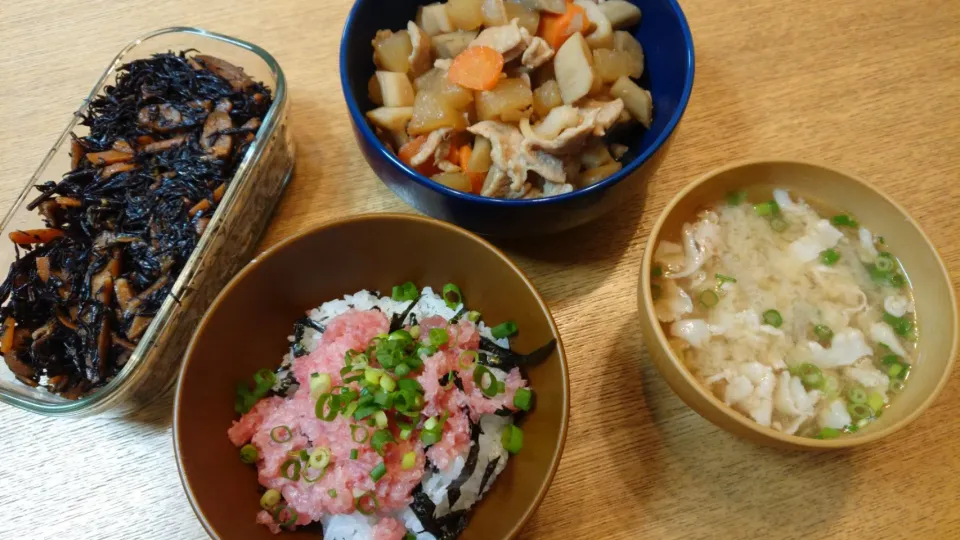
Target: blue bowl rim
[{"x": 361, "y": 122}]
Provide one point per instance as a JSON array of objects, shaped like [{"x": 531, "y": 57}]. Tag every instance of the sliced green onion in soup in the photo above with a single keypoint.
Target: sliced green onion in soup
[
  {"x": 901, "y": 325},
  {"x": 406, "y": 292},
  {"x": 505, "y": 329},
  {"x": 875, "y": 401},
  {"x": 843, "y": 220},
  {"x": 657, "y": 271},
  {"x": 452, "y": 295},
  {"x": 894, "y": 370},
  {"x": 811, "y": 376},
  {"x": 831, "y": 385},
  {"x": 829, "y": 433},
  {"x": 773, "y": 318},
  {"x": 709, "y": 298},
  {"x": 655, "y": 291},
  {"x": 897, "y": 281},
  {"x": 857, "y": 394},
  {"x": 736, "y": 198},
  {"x": 884, "y": 262},
  {"x": 829, "y": 257},
  {"x": 859, "y": 411},
  {"x": 767, "y": 209},
  {"x": 823, "y": 332},
  {"x": 725, "y": 279},
  {"x": 778, "y": 224},
  {"x": 897, "y": 386}
]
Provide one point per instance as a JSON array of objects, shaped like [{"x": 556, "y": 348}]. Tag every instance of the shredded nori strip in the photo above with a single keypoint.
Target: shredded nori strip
[
  {"x": 396, "y": 323},
  {"x": 296, "y": 348},
  {"x": 123, "y": 223},
  {"x": 458, "y": 315},
  {"x": 469, "y": 467},
  {"x": 488, "y": 473},
  {"x": 506, "y": 359},
  {"x": 447, "y": 527}
]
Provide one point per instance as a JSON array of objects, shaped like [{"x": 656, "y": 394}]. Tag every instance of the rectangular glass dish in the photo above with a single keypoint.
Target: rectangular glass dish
[{"x": 225, "y": 246}]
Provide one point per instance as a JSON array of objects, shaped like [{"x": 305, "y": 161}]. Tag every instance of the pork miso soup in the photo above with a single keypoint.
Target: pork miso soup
[{"x": 795, "y": 316}]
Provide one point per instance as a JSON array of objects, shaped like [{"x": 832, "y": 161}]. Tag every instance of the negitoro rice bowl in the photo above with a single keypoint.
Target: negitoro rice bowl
[{"x": 389, "y": 418}]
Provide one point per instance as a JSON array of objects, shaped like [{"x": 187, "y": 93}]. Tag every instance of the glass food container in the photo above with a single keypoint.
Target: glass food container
[{"x": 226, "y": 245}]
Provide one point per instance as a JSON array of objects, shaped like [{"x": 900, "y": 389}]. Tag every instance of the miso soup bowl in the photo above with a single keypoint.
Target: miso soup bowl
[{"x": 935, "y": 301}]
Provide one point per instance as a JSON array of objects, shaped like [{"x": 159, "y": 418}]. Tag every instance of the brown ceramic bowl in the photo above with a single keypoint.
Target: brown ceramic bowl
[
  {"x": 935, "y": 301},
  {"x": 247, "y": 327}
]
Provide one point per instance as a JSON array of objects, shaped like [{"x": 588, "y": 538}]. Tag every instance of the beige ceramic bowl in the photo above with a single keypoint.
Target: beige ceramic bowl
[{"x": 935, "y": 300}]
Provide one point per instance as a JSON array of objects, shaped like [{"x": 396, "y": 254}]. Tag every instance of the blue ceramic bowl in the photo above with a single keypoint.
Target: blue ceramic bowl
[{"x": 668, "y": 47}]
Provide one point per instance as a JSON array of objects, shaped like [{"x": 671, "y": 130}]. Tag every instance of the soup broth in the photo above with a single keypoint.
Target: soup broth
[{"x": 792, "y": 314}]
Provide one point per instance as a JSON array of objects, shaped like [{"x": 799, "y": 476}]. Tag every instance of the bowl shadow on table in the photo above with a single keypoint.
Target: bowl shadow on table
[
  {"x": 716, "y": 485},
  {"x": 154, "y": 416}
]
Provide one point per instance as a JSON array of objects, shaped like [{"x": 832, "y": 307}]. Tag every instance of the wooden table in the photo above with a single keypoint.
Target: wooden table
[{"x": 872, "y": 86}]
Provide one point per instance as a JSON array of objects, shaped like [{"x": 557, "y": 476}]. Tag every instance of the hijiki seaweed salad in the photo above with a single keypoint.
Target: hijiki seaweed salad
[
  {"x": 163, "y": 145},
  {"x": 389, "y": 419},
  {"x": 800, "y": 319}
]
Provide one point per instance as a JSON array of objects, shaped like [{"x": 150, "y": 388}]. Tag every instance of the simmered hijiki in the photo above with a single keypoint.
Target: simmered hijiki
[
  {"x": 801, "y": 322},
  {"x": 164, "y": 142},
  {"x": 389, "y": 419},
  {"x": 511, "y": 98}
]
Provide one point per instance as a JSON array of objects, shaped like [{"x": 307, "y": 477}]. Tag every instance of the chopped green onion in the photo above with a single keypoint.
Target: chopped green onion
[
  {"x": 409, "y": 460},
  {"x": 381, "y": 419},
  {"x": 655, "y": 291},
  {"x": 372, "y": 375},
  {"x": 473, "y": 316},
  {"x": 452, "y": 296},
  {"x": 843, "y": 220},
  {"x": 290, "y": 469},
  {"x": 890, "y": 360},
  {"x": 859, "y": 411},
  {"x": 829, "y": 257},
  {"x": 504, "y": 330},
  {"x": 878, "y": 275},
  {"x": 765, "y": 209},
  {"x": 430, "y": 424},
  {"x": 773, "y": 318},
  {"x": 725, "y": 279},
  {"x": 320, "y": 458},
  {"x": 354, "y": 453},
  {"x": 281, "y": 434},
  {"x": 405, "y": 434},
  {"x": 387, "y": 383},
  {"x": 409, "y": 384},
  {"x": 779, "y": 224},
  {"x": 439, "y": 337},
  {"x": 481, "y": 374},
  {"x": 269, "y": 499},
  {"x": 512, "y": 439},
  {"x": 320, "y": 383},
  {"x": 501, "y": 387},
  {"x": 249, "y": 454},
  {"x": 311, "y": 479},
  {"x": 263, "y": 380},
  {"x": 406, "y": 292},
  {"x": 901, "y": 325},
  {"x": 857, "y": 394},
  {"x": 377, "y": 473},
  {"x": 894, "y": 370},
  {"x": 331, "y": 411},
  {"x": 367, "y": 503},
  {"x": 355, "y": 359},
  {"x": 291, "y": 515},
  {"x": 380, "y": 439},
  {"x": 897, "y": 281},
  {"x": 831, "y": 385},
  {"x": 811, "y": 376},
  {"x": 430, "y": 437},
  {"x": 852, "y": 428},
  {"x": 829, "y": 433},
  {"x": 401, "y": 370},
  {"x": 875, "y": 401},
  {"x": 736, "y": 198},
  {"x": 823, "y": 332},
  {"x": 332, "y": 493},
  {"x": 415, "y": 331},
  {"x": 903, "y": 373},
  {"x": 468, "y": 359},
  {"x": 709, "y": 298},
  {"x": 245, "y": 400},
  {"x": 884, "y": 264},
  {"x": 657, "y": 271},
  {"x": 523, "y": 398},
  {"x": 896, "y": 386},
  {"x": 409, "y": 536}
]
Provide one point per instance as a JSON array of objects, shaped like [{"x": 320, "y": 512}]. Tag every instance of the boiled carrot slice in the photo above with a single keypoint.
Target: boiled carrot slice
[
  {"x": 477, "y": 68},
  {"x": 555, "y": 29},
  {"x": 35, "y": 236}
]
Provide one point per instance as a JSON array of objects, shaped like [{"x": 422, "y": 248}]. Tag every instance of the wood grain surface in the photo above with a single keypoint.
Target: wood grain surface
[{"x": 870, "y": 86}]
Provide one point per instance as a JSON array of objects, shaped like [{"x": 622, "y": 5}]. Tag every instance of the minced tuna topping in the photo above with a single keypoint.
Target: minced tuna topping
[{"x": 367, "y": 407}]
